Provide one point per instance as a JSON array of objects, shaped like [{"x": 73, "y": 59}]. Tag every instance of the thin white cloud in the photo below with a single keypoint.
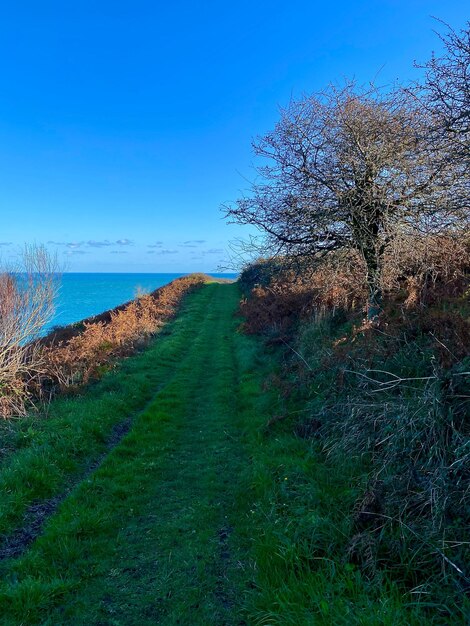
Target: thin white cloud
[
  {"x": 99, "y": 244},
  {"x": 68, "y": 244},
  {"x": 91, "y": 243},
  {"x": 119, "y": 252},
  {"x": 213, "y": 251}
]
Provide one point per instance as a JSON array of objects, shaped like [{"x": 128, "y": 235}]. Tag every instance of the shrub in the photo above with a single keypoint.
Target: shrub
[
  {"x": 418, "y": 270},
  {"x": 27, "y": 294},
  {"x": 427, "y": 268},
  {"x": 284, "y": 294}
]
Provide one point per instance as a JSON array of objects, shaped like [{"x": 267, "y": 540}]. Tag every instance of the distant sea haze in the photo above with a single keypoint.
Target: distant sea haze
[{"x": 84, "y": 295}]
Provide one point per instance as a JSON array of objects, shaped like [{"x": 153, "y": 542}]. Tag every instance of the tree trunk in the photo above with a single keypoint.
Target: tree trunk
[
  {"x": 374, "y": 303},
  {"x": 374, "y": 276}
]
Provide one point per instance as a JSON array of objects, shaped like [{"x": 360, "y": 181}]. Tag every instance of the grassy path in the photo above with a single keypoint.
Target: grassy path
[
  {"x": 201, "y": 515},
  {"x": 148, "y": 537}
]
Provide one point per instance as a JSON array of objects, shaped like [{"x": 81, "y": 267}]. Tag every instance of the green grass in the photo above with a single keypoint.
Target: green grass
[
  {"x": 199, "y": 516},
  {"x": 40, "y": 455}
]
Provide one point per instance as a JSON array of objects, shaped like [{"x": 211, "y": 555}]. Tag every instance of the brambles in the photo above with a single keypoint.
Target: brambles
[
  {"x": 334, "y": 284},
  {"x": 417, "y": 271},
  {"x": 426, "y": 268}
]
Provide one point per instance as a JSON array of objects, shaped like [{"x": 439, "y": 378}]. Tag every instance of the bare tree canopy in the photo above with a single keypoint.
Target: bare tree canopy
[
  {"x": 347, "y": 167},
  {"x": 447, "y": 89}
]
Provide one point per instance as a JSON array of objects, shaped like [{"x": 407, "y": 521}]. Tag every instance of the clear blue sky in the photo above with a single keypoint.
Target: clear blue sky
[{"x": 125, "y": 125}]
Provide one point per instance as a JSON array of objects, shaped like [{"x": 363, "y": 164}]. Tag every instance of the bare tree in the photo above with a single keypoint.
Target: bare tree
[
  {"x": 348, "y": 167},
  {"x": 27, "y": 294},
  {"x": 447, "y": 90}
]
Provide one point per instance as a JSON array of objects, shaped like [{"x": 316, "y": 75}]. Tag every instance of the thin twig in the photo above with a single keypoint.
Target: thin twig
[{"x": 297, "y": 353}]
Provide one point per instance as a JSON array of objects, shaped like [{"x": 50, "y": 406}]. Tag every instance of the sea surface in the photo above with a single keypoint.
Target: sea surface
[{"x": 83, "y": 295}]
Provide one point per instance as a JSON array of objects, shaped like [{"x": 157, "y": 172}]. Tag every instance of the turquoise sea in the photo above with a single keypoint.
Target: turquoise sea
[{"x": 83, "y": 295}]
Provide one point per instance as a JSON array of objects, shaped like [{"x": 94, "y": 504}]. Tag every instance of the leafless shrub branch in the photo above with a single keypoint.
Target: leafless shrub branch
[{"x": 27, "y": 295}]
